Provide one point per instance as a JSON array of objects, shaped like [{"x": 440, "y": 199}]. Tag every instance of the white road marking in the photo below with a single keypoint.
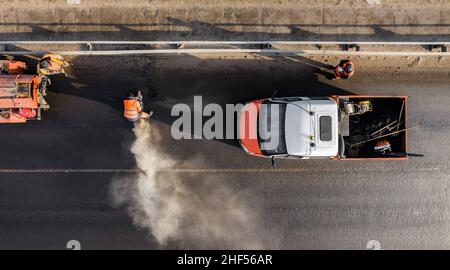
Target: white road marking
[
  {"x": 69, "y": 170},
  {"x": 228, "y": 170}
]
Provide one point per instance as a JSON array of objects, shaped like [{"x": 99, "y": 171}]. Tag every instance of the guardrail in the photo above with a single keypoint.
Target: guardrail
[
  {"x": 218, "y": 42},
  {"x": 362, "y": 48}
]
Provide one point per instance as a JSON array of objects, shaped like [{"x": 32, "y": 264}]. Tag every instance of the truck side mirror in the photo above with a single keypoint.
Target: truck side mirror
[
  {"x": 274, "y": 94},
  {"x": 272, "y": 159}
]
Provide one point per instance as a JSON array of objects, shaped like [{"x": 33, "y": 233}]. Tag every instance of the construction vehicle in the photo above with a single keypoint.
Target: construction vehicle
[
  {"x": 335, "y": 128},
  {"x": 21, "y": 95},
  {"x": 12, "y": 67}
]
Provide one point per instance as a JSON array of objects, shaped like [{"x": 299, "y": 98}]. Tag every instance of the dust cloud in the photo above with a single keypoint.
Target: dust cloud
[{"x": 191, "y": 210}]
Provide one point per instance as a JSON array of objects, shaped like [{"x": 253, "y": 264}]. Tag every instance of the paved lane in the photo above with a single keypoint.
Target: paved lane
[{"x": 308, "y": 204}]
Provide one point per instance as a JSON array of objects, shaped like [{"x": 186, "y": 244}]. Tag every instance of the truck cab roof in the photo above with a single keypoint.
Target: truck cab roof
[
  {"x": 305, "y": 127},
  {"x": 311, "y": 128}
]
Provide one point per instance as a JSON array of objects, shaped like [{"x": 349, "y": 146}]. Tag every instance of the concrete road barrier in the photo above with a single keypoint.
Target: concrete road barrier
[{"x": 325, "y": 20}]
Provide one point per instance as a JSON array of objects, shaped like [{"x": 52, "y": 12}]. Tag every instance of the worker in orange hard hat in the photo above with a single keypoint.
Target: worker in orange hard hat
[
  {"x": 134, "y": 107},
  {"x": 383, "y": 147},
  {"x": 51, "y": 64},
  {"x": 344, "y": 70}
]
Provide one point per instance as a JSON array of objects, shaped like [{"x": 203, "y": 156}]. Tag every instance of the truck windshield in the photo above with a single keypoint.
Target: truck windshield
[{"x": 272, "y": 126}]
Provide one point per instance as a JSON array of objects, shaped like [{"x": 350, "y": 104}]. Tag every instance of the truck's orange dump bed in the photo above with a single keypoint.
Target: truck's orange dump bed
[{"x": 20, "y": 98}]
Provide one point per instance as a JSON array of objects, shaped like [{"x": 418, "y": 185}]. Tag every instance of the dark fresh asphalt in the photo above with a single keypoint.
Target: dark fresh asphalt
[{"x": 309, "y": 204}]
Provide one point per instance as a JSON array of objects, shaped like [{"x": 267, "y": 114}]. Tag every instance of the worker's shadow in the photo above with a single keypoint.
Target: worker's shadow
[
  {"x": 319, "y": 68},
  {"x": 325, "y": 70}
]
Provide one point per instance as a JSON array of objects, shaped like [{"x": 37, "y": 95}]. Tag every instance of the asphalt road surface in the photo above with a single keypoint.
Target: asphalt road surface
[{"x": 55, "y": 173}]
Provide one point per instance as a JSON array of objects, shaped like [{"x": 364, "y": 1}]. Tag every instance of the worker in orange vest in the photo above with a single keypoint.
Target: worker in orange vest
[
  {"x": 134, "y": 107},
  {"x": 52, "y": 64},
  {"x": 344, "y": 70}
]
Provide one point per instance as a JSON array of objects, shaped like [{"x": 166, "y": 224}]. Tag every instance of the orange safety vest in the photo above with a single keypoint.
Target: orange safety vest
[{"x": 132, "y": 109}]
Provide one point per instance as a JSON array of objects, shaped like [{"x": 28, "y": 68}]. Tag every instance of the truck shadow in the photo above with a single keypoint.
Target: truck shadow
[
  {"x": 170, "y": 80},
  {"x": 167, "y": 80}
]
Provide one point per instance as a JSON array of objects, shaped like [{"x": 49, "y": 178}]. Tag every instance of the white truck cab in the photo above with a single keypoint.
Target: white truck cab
[{"x": 305, "y": 127}]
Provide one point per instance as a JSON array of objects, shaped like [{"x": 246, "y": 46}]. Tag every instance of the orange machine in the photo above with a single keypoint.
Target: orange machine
[
  {"x": 12, "y": 67},
  {"x": 21, "y": 95}
]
